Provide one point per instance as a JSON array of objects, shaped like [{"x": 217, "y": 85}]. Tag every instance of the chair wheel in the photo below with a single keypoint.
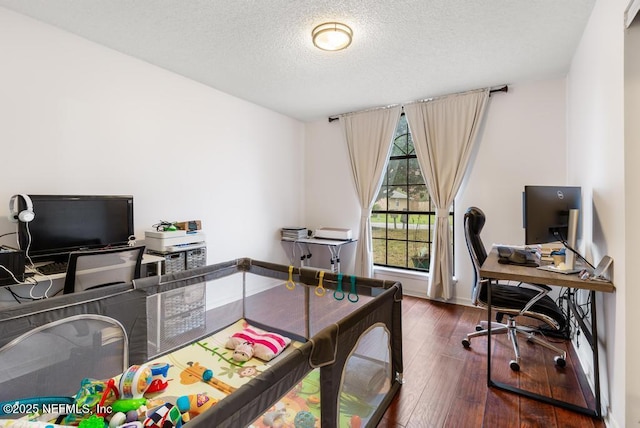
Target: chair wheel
[
  {"x": 513, "y": 364},
  {"x": 479, "y": 327},
  {"x": 560, "y": 362},
  {"x": 466, "y": 343}
]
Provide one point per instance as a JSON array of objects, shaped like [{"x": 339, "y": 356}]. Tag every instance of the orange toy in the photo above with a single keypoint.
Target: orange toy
[{"x": 192, "y": 405}]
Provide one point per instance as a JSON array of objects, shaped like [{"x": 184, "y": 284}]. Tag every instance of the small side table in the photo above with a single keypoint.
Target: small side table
[{"x": 333, "y": 245}]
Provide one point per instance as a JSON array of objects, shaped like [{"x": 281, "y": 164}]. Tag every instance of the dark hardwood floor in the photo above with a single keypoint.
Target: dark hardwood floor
[{"x": 446, "y": 385}]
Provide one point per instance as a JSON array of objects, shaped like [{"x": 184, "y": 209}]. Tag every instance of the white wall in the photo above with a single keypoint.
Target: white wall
[
  {"x": 331, "y": 199},
  {"x": 597, "y": 163},
  {"x": 78, "y": 118},
  {"x": 522, "y": 142},
  {"x": 632, "y": 232}
]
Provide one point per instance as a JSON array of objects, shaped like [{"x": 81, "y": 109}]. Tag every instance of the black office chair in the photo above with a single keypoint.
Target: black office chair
[
  {"x": 509, "y": 300},
  {"x": 99, "y": 268}
]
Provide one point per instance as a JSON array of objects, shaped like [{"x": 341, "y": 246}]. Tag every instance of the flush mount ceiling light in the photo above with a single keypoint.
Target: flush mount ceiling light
[{"x": 332, "y": 36}]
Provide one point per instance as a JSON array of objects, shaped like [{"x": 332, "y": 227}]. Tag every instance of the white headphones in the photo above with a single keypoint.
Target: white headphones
[{"x": 25, "y": 215}]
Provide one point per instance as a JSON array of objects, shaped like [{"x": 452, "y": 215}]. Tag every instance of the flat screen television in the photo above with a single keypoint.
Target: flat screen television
[
  {"x": 65, "y": 223},
  {"x": 546, "y": 212}
]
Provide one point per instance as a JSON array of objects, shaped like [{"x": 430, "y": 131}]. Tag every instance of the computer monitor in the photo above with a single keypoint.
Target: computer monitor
[
  {"x": 546, "y": 211},
  {"x": 66, "y": 223}
]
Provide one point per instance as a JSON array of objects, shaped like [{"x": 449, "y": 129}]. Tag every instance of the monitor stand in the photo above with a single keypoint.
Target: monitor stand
[{"x": 570, "y": 257}]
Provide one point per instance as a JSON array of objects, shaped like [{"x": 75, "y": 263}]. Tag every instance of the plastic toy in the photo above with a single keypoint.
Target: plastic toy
[
  {"x": 135, "y": 381},
  {"x": 159, "y": 369},
  {"x": 159, "y": 372},
  {"x": 125, "y": 405},
  {"x": 271, "y": 419},
  {"x": 132, "y": 415},
  {"x": 91, "y": 394},
  {"x": 192, "y": 405},
  {"x": 320, "y": 290},
  {"x": 304, "y": 419},
  {"x": 338, "y": 294},
  {"x": 353, "y": 292},
  {"x": 165, "y": 416},
  {"x": 355, "y": 422},
  {"x": 117, "y": 419},
  {"x": 92, "y": 421},
  {"x": 290, "y": 284},
  {"x": 157, "y": 385}
]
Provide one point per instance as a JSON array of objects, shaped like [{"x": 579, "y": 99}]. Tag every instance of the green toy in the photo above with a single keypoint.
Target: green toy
[{"x": 92, "y": 421}]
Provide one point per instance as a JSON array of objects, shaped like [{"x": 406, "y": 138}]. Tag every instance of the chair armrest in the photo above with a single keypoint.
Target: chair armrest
[
  {"x": 543, "y": 291},
  {"x": 541, "y": 286}
]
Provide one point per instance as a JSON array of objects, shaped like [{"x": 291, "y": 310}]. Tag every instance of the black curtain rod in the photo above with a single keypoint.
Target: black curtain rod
[{"x": 504, "y": 88}]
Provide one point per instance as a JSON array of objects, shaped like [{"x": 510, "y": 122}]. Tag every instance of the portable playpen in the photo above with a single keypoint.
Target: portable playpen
[{"x": 342, "y": 368}]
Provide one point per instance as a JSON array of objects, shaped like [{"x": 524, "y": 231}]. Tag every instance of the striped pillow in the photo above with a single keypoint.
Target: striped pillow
[{"x": 266, "y": 346}]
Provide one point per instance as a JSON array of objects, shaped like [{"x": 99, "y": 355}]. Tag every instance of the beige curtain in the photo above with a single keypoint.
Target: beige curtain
[
  {"x": 369, "y": 135},
  {"x": 444, "y": 131}
]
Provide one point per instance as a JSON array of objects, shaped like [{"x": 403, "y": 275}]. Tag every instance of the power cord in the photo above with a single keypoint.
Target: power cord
[
  {"x": 558, "y": 235},
  {"x": 32, "y": 282},
  {"x": 7, "y": 234},
  {"x": 164, "y": 226}
]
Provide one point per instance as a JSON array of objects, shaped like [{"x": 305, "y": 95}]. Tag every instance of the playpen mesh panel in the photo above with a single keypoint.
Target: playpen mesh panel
[
  {"x": 305, "y": 309},
  {"x": 52, "y": 360},
  {"x": 328, "y": 309},
  {"x": 366, "y": 377},
  {"x": 185, "y": 314},
  {"x": 270, "y": 304}
]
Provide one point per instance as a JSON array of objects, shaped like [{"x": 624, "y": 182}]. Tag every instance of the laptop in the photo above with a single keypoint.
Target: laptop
[
  {"x": 553, "y": 268},
  {"x": 600, "y": 272}
]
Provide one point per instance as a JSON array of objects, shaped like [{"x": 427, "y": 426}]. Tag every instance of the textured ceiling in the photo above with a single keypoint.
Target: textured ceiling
[{"x": 403, "y": 50}]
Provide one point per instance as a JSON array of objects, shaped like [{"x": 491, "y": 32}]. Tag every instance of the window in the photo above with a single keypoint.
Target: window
[{"x": 403, "y": 216}]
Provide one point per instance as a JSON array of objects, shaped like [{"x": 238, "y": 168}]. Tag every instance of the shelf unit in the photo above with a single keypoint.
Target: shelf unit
[{"x": 178, "y": 261}]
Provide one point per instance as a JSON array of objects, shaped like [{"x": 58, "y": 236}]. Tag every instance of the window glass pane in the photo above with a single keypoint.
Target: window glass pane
[
  {"x": 379, "y": 251},
  {"x": 397, "y": 172},
  {"x": 400, "y": 145},
  {"x": 414, "y": 175},
  {"x": 424, "y": 230},
  {"x": 419, "y": 198},
  {"x": 403, "y": 127},
  {"x": 403, "y": 218},
  {"x": 378, "y": 229},
  {"x": 381, "y": 200},
  {"x": 411, "y": 151},
  {"x": 397, "y": 253}
]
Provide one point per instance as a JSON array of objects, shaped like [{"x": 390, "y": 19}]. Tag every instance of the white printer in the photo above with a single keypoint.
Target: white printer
[
  {"x": 333, "y": 233},
  {"x": 174, "y": 240}
]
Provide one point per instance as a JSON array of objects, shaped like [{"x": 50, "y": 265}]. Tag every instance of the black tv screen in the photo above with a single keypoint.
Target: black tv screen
[
  {"x": 546, "y": 212},
  {"x": 65, "y": 223}
]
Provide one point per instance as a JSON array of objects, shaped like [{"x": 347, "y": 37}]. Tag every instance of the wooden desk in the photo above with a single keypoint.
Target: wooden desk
[
  {"x": 494, "y": 270},
  {"x": 51, "y": 285}
]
